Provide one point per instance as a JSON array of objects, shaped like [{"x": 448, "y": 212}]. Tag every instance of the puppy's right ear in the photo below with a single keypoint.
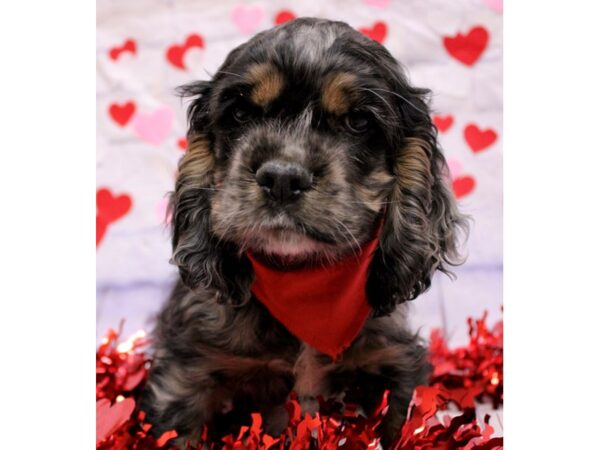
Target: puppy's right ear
[{"x": 203, "y": 260}]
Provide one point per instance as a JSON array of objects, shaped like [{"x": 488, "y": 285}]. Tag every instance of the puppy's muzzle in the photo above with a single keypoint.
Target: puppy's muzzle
[{"x": 283, "y": 181}]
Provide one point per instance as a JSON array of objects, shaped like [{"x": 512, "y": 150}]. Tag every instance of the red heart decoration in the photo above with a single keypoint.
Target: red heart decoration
[
  {"x": 463, "y": 185},
  {"x": 122, "y": 113},
  {"x": 479, "y": 139},
  {"x": 284, "y": 16},
  {"x": 110, "y": 417},
  {"x": 176, "y": 53},
  {"x": 377, "y": 32},
  {"x": 442, "y": 123},
  {"x": 111, "y": 208},
  {"x": 182, "y": 143},
  {"x": 129, "y": 46},
  {"x": 101, "y": 227},
  {"x": 467, "y": 49}
]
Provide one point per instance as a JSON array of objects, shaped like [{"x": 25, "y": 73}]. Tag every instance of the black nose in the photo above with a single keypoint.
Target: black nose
[{"x": 283, "y": 180}]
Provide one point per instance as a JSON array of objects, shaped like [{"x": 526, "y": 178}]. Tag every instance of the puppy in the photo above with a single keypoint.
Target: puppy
[{"x": 308, "y": 150}]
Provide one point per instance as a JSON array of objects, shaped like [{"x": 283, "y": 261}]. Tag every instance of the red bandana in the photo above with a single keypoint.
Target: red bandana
[{"x": 325, "y": 307}]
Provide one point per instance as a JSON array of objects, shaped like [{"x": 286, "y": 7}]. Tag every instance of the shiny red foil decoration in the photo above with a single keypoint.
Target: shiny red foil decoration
[{"x": 441, "y": 416}]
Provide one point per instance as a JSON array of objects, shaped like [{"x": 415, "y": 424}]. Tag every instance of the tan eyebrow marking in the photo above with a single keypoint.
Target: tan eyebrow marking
[
  {"x": 337, "y": 94},
  {"x": 267, "y": 83}
]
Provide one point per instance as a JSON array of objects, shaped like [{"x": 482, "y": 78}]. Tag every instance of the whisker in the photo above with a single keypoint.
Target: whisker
[
  {"x": 403, "y": 98},
  {"x": 229, "y": 73},
  {"x": 354, "y": 203},
  {"x": 375, "y": 93},
  {"x": 350, "y": 235}
]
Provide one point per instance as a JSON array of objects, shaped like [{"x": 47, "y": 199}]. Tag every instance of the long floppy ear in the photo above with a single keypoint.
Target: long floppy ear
[
  {"x": 203, "y": 260},
  {"x": 421, "y": 225}
]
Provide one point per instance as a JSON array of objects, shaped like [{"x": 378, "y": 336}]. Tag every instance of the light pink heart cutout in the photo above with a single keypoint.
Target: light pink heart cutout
[
  {"x": 455, "y": 167},
  {"x": 153, "y": 127},
  {"x": 162, "y": 212},
  {"x": 377, "y": 3},
  {"x": 496, "y": 5},
  {"x": 247, "y": 18}
]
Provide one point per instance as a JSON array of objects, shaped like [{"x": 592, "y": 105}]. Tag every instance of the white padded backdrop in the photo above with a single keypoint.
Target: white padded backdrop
[{"x": 146, "y": 48}]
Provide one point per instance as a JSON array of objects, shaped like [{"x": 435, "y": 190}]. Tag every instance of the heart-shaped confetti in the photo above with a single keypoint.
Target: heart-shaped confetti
[
  {"x": 377, "y": 32},
  {"x": 284, "y": 16},
  {"x": 129, "y": 46},
  {"x": 110, "y": 417},
  {"x": 155, "y": 126},
  {"x": 442, "y": 123},
  {"x": 122, "y": 113},
  {"x": 479, "y": 139},
  {"x": 467, "y": 48},
  {"x": 247, "y": 18},
  {"x": 176, "y": 53},
  {"x": 463, "y": 185}
]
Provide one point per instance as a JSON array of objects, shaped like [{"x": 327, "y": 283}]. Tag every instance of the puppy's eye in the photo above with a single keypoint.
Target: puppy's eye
[
  {"x": 241, "y": 113},
  {"x": 358, "y": 122}
]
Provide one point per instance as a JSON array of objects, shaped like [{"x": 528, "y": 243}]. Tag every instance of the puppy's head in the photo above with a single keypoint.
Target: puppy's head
[{"x": 309, "y": 136}]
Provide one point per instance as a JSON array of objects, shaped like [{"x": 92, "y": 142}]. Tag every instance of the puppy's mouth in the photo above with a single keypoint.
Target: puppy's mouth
[
  {"x": 290, "y": 244},
  {"x": 283, "y": 241}
]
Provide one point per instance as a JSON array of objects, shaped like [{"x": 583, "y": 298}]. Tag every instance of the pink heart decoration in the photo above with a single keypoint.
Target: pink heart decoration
[
  {"x": 496, "y": 5},
  {"x": 377, "y": 3},
  {"x": 247, "y": 18},
  {"x": 110, "y": 417},
  {"x": 162, "y": 211},
  {"x": 455, "y": 168},
  {"x": 154, "y": 127}
]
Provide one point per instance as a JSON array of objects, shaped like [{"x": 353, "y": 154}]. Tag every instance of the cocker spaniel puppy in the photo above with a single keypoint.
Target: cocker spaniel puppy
[{"x": 310, "y": 205}]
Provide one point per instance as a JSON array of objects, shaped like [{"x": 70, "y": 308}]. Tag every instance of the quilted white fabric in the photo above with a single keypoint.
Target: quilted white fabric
[{"x": 140, "y": 122}]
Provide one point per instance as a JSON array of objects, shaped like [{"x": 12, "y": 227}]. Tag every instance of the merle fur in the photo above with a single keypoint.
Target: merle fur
[{"x": 219, "y": 355}]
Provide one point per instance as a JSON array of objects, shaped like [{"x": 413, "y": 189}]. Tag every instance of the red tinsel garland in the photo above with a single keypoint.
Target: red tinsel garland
[{"x": 461, "y": 376}]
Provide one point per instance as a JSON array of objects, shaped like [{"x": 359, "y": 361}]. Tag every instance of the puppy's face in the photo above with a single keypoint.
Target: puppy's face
[
  {"x": 307, "y": 135},
  {"x": 298, "y": 130}
]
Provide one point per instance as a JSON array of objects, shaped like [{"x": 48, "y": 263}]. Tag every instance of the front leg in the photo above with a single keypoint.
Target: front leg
[
  {"x": 382, "y": 358},
  {"x": 219, "y": 392},
  {"x": 213, "y": 365}
]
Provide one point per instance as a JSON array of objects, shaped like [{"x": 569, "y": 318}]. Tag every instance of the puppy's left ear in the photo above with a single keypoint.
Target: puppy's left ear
[
  {"x": 203, "y": 260},
  {"x": 420, "y": 229}
]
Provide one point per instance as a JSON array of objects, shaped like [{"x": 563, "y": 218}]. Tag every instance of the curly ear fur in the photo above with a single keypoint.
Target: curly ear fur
[
  {"x": 203, "y": 260},
  {"x": 420, "y": 230}
]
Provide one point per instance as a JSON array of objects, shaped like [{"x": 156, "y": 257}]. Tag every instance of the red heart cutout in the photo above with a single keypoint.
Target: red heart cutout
[
  {"x": 176, "y": 53},
  {"x": 182, "y": 143},
  {"x": 467, "y": 49},
  {"x": 377, "y": 32},
  {"x": 101, "y": 226},
  {"x": 122, "y": 113},
  {"x": 284, "y": 16},
  {"x": 129, "y": 46},
  {"x": 442, "y": 123},
  {"x": 463, "y": 185},
  {"x": 109, "y": 207},
  {"x": 110, "y": 417},
  {"x": 479, "y": 139}
]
